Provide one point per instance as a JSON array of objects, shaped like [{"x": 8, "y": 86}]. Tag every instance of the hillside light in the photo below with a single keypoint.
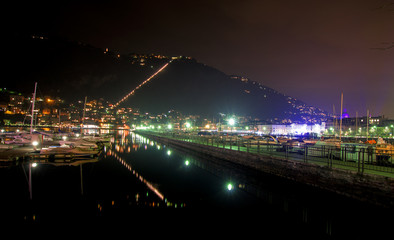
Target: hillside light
[
  {"x": 188, "y": 125},
  {"x": 169, "y": 126}
]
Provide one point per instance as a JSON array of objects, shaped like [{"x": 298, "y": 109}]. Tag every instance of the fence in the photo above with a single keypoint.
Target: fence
[{"x": 351, "y": 156}]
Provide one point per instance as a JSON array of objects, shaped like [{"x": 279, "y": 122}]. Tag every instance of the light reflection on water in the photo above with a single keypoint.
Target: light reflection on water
[
  {"x": 204, "y": 182},
  {"x": 174, "y": 173}
]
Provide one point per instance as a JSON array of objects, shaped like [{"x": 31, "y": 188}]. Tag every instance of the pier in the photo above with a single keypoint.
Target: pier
[{"x": 359, "y": 175}]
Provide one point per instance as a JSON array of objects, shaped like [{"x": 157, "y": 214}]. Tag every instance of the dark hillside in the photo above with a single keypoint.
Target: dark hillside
[{"x": 73, "y": 70}]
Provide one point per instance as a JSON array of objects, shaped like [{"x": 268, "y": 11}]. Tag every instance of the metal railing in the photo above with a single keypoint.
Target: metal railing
[{"x": 357, "y": 157}]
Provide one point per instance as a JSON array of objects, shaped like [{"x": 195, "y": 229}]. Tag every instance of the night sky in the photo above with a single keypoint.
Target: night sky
[{"x": 311, "y": 50}]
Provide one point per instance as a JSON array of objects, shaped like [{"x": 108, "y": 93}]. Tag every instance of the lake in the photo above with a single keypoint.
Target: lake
[{"x": 139, "y": 180}]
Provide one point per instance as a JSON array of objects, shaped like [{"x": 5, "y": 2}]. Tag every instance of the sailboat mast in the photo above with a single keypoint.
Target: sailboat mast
[
  {"x": 340, "y": 123},
  {"x": 83, "y": 115},
  {"x": 32, "y": 108},
  {"x": 355, "y": 132},
  {"x": 334, "y": 120},
  {"x": 367, "y": 124}
]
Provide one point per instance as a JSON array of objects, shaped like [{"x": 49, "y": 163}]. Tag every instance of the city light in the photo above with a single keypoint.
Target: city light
[
  {"x": 230, "y": 186},
  {"x": 231, "y": 121}
]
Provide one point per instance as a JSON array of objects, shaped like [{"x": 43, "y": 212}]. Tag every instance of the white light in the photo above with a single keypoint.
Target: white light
[
  {"x": 64, "y": 138},
  {"x": 34, "y": 164},
  {"x": 35, "y": 143},
  {"x": 231, "y": 121},
  {"x": 229, "y": 187}
]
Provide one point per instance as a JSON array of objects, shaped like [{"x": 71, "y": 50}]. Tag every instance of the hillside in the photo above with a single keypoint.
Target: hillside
[
  {"x": 194, "y": 88},
  {"x": 72, "y": 70}
]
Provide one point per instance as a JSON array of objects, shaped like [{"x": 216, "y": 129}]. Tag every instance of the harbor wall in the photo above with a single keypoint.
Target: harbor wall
[{"x": 375, "y": 189}]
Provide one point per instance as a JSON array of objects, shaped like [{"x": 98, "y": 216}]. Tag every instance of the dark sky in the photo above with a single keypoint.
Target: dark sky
[{"x": 311, "y": 50}]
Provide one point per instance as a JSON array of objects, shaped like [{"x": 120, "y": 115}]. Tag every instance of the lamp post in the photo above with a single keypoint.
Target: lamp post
[
  {"x": 231, "y": 121},
  {"x": 392, "y": 130}
]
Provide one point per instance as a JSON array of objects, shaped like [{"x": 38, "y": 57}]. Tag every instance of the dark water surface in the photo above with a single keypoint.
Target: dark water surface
[{"x": 141, "y": 181}]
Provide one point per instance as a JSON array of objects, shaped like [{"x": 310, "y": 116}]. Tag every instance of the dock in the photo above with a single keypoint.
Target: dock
[{"x": 377, "y": 189}]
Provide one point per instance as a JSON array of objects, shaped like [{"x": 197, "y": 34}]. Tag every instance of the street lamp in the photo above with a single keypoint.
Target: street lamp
[
  {"x": 231, "y": 122},
  {"x": 230, "y": 186},
  {"x": 392, "y": 130}
]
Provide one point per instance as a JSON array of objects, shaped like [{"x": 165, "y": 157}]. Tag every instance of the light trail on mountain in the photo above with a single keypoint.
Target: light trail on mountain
[{"x": 139, "y": 86}]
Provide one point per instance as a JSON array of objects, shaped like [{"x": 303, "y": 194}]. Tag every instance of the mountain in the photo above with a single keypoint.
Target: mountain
[{"x": 72, "y": 70}]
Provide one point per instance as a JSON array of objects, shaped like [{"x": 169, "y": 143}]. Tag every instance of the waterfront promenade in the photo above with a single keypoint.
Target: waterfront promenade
[{"x": 354, "y": 174}]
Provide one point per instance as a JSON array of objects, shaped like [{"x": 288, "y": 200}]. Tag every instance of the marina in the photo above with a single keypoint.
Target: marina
[
  {"x": 137, "y": 178},
  {"x": 53, "y": 148},
  {"x": 272, "y": 119}
]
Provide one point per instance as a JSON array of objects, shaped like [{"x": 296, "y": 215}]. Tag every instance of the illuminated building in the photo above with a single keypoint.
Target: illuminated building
[{"x": 291, "y": 129}]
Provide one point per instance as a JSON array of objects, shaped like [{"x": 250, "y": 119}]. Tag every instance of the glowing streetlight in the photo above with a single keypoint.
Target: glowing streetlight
[
  {"x": 188, "y": 125},
  {"x": 231, "y": 121},
  {"x": 230, "y": 186}
]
